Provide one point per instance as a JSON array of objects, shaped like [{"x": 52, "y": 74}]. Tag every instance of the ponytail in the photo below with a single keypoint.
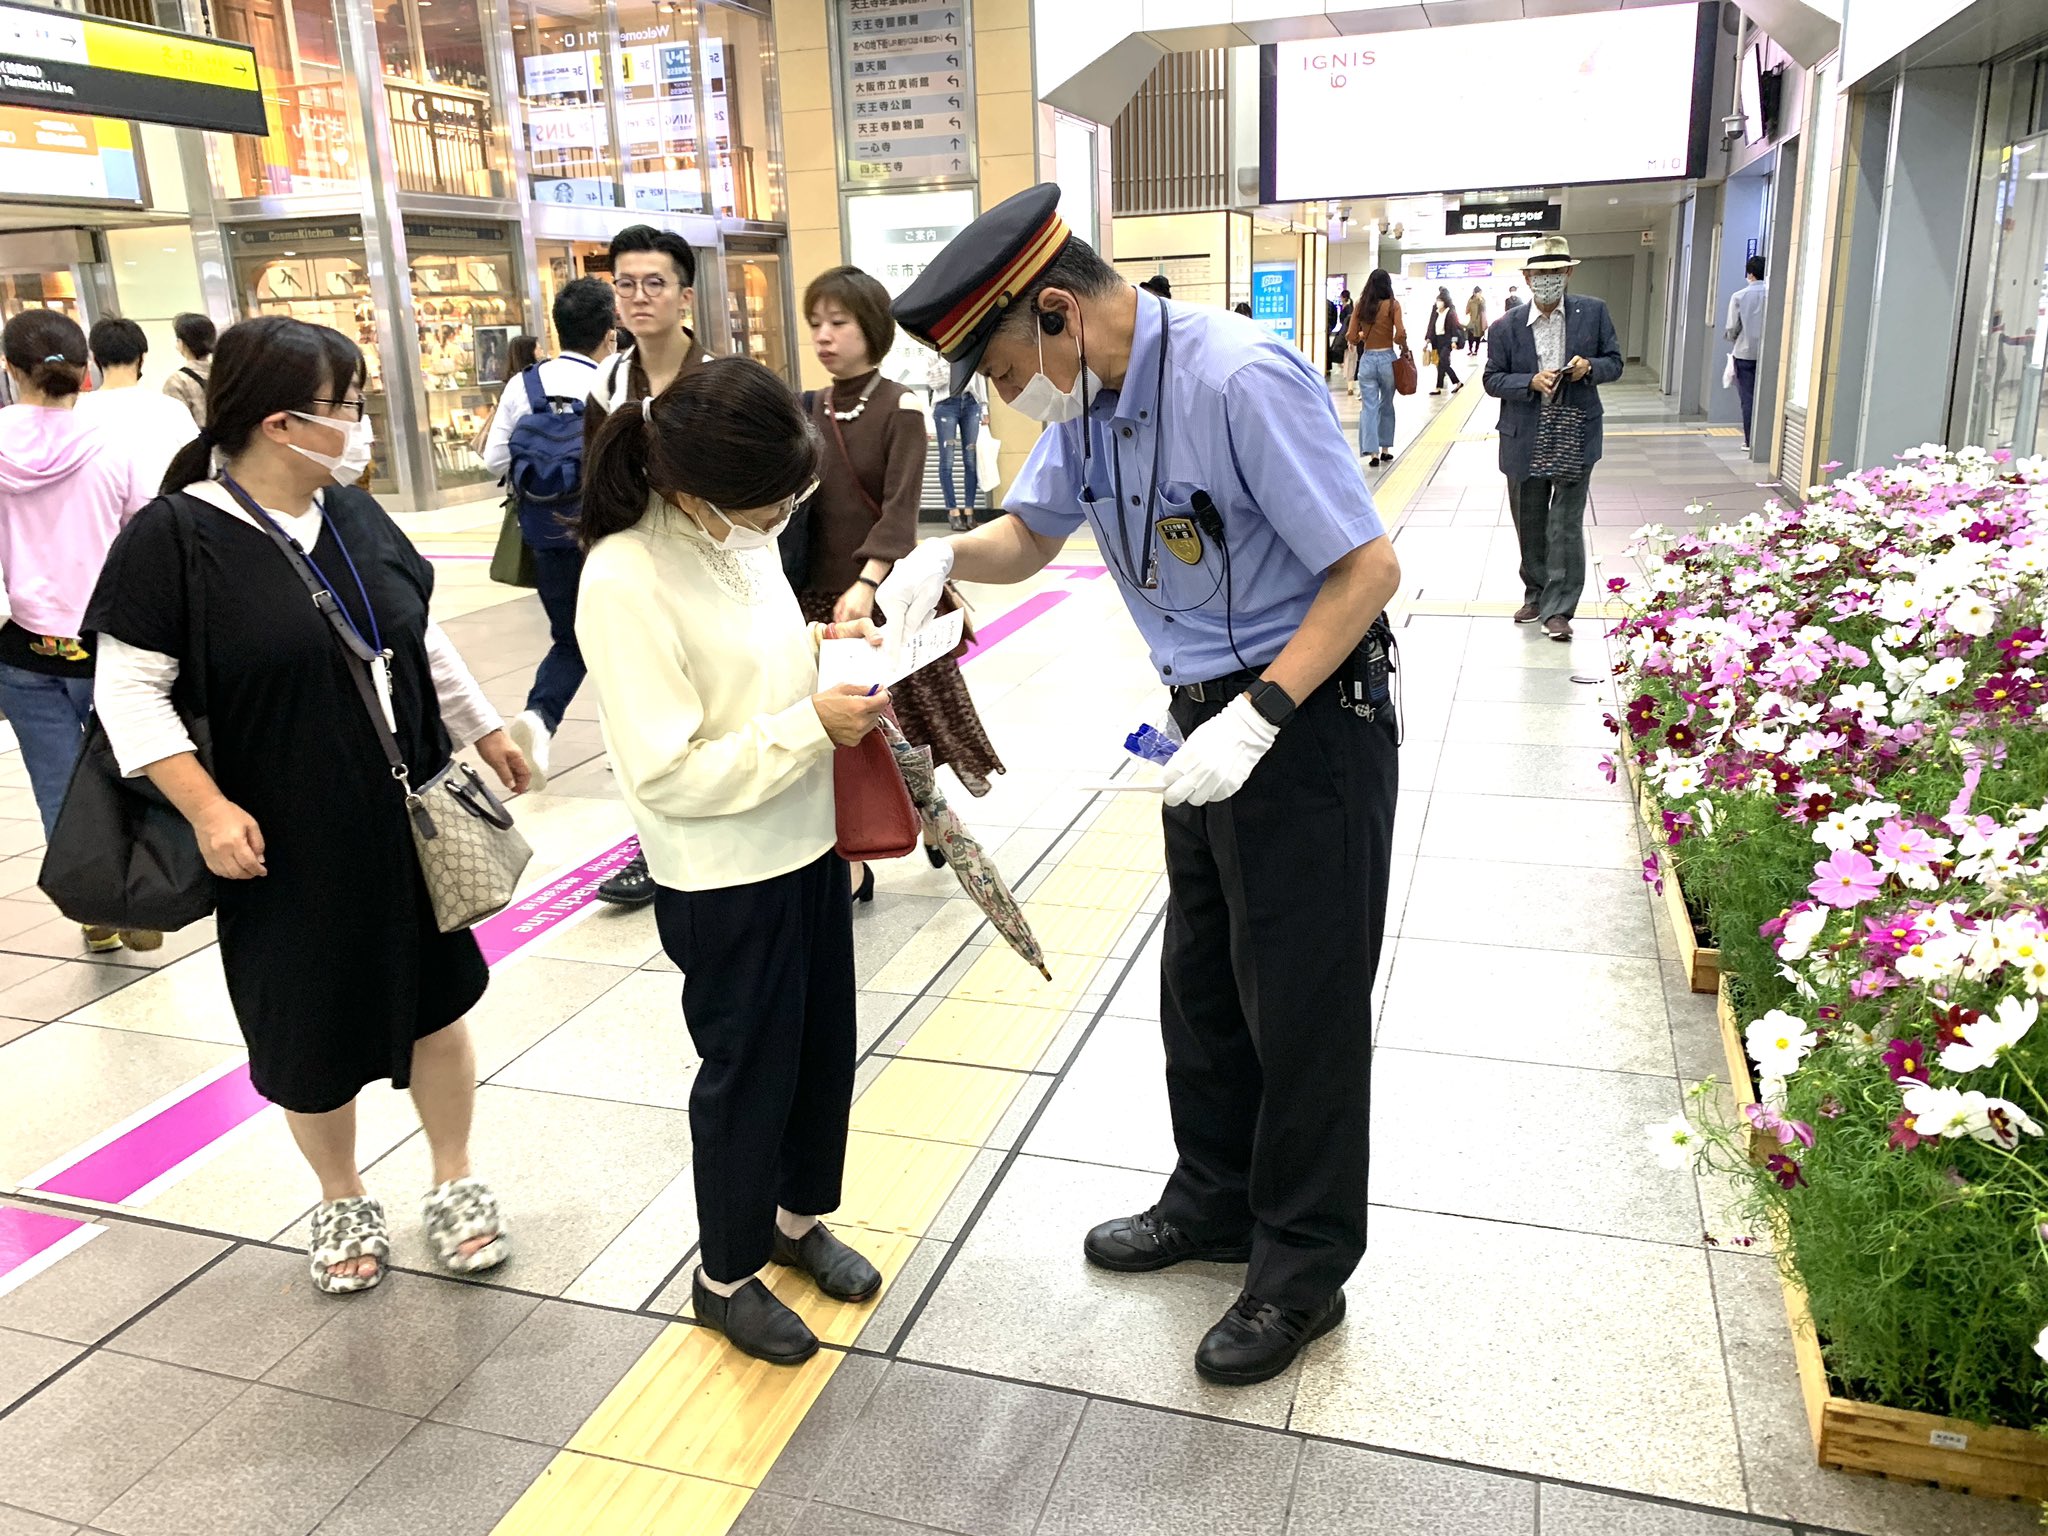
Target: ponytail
[
  {"x": 615, "y": 488},
  {"x": 189, "y": 465},
  {"x": 47, "y": 349}
]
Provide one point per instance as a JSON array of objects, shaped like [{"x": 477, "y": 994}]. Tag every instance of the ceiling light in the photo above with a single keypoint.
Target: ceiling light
[{"x": 1612, "y": 201}]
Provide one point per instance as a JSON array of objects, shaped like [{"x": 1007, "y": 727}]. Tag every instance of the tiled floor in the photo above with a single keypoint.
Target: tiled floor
[{"x": 1538, "y": 1339}]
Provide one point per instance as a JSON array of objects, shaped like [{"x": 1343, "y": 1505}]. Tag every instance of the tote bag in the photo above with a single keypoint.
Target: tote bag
[
  {"x": 122, "y": 856},
  {"x": 1405, "y": 377}
]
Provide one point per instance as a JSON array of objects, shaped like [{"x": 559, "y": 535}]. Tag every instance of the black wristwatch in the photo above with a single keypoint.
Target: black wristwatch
[{"x": 1271, "y": 701}]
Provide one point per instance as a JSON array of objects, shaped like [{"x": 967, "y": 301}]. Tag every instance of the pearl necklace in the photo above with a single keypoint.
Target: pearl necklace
[{"x": 858, "y": 406}]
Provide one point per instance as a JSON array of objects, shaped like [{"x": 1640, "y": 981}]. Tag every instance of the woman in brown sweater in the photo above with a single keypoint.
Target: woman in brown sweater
[
  {"x": 1378, "y": 332},
  {"x": 864, "y": 516}
]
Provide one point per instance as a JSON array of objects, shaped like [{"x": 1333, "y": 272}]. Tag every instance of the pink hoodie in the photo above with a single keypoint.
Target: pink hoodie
[{"x": 65, "y": 491}]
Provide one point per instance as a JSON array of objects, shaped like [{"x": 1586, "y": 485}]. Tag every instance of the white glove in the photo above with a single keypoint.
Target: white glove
[
  {"x": 909, "y": 594},
  {"x": 1220, "y": 756}
]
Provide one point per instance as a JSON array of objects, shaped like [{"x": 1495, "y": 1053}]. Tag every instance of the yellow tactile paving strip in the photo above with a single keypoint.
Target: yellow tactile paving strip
[{"x": 689, "y": 1432}]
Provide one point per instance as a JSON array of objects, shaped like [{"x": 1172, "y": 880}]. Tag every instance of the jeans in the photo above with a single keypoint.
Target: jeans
[
  {"x": 1376, "y": 401},
  {"x": 48, "y": 715},
  {"x": 560, "y": 674},
  {"x": 1550, "y": 521},
  {"x": 1745, "y": 386},
  {"x": 959, "y": 430}
]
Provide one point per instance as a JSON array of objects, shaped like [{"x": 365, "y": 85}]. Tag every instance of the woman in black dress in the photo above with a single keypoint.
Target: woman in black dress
[{"x": 338, "y": 973}]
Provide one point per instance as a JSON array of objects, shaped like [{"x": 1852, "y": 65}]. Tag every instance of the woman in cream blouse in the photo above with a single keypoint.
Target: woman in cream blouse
[{"x": 707, "y": 680}]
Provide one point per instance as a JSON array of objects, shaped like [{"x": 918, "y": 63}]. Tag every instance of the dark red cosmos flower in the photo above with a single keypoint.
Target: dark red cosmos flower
[
  {"x": 1611, "y": 723},
  {"x": 1906, "y": 1060},
  {"x": 1905, "y": 1136},
  {"x": 1816, "y": 807},
  {"x": 1785, "y": 1169},
  {"x": 1783, "y": 775},
  {"x": 2020, "y": 641},
  {"x": 1680, "y": 737},
  {"x": 1948, "y": 1025},
  {"x": 1642, "y": 714},
  {"x": 1999, "y": 690}
]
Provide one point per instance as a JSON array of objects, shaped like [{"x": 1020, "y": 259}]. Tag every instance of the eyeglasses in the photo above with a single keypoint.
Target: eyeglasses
[
  {"x": 347, "y": 410},
  {"x": 653, "y": 287},
  {"x": 785, "y": 509}
]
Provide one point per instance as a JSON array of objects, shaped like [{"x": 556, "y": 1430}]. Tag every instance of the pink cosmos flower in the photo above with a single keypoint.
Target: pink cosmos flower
[
  {"x": 1768, "y": 1121},
  {"x": 1785, "y": 1169},
  {"x": 1653, "y": 876},
  {"x": 1846, "y": 879},
  {"x": 1903, "y": 843},
  {"x": 1873, "y": 983}
]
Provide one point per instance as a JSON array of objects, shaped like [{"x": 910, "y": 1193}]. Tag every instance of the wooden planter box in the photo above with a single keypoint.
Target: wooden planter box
[
  {"x": 1702, "y": 964},
  {"x": 1986, "y": 1460}
]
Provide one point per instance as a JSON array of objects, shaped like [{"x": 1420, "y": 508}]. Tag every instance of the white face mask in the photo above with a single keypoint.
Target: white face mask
[
  {"x": 1548, "y": 287},
  {"x": 1042, "y": 400},
  {"x": 358, "y": 438},
  {"x": 739, "y": 536}
]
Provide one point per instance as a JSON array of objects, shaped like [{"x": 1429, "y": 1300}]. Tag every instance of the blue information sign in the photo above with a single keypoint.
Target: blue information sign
[{"x": 1273, "y": 297}]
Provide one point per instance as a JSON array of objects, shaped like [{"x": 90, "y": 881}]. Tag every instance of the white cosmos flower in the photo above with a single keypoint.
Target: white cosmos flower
[
  {"x": 1971, "y": 614},
  {"x": 1984, "y": 1040},
  {"x": 1683, "y": 779},
  {"x": 1674, "y": 1141},
  {"x": 1866, "y": 699},
  {"x": 2041, "y": 1344},
  {"x": 1943, "y": 1111},
  {"x": 1801, "y": 929},
  {"x": 1778, "y": 1043},
  {"x": 1943, "y": 677},
  {"x": 1840, "y": 830},
  {"x": 1901, "y": 602}
]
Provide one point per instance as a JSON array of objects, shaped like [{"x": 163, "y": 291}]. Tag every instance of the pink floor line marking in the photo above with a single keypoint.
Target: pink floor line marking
[
  {"x": 139, "y": 1158},
  {"x": 997, "y": 630},
  {"x": 27, "y": 1235},
  {"x": 550, "y": 906}
]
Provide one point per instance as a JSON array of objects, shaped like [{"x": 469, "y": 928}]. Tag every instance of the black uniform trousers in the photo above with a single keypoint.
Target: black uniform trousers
[
  {"x": 1277, "y": 906},
  {"x": 768, "y": 996}
]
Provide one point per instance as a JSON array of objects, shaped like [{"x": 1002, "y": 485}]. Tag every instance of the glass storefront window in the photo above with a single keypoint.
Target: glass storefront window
[
  {"x": 465, "y": 299},
  {"x": 2007, "y": 359},
  {"x": 444, "y": 138},
  {"x": 746, "y": 175},
  {"x": 754, "y": 304},
  {"x": 562, "y": 261},
  {"x": 310, "y": 146},
  {"x": 655, "y": 68},
  {"x": 560, "y": 46},
  {"x": 312, "y": 270}
]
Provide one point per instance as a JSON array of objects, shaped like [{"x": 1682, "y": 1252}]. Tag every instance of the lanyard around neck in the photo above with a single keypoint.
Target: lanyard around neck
[{"x": 368, "y": 649}]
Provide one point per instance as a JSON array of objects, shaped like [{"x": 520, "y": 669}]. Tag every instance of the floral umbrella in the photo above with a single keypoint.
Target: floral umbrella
[{"x": 971, "y": 863}]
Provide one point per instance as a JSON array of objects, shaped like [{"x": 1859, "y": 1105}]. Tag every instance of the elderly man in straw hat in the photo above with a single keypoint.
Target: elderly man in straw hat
[{"x": 1545, "y": 362}]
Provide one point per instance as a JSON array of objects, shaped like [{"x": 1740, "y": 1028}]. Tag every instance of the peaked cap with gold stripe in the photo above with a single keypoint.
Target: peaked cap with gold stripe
[{"x": 958, "y": 301}]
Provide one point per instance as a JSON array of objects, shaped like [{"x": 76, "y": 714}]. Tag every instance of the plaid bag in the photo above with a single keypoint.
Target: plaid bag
[{"x": 1560, "y": 452}]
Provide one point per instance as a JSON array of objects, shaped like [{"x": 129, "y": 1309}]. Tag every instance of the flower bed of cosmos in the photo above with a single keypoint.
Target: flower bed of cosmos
[{"x": 1839, "y": 711}]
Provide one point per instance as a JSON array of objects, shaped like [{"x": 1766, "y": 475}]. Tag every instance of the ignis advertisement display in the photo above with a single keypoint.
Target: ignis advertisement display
[{"x": 1607, "y": 96}]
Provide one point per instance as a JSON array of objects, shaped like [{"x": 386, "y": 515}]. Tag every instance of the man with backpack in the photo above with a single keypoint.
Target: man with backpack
[{"x": 536, "y": 447}]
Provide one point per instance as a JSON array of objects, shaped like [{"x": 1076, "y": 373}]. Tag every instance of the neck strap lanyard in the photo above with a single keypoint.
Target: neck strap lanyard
[
  {"x": 370, "y": 652},
  {"x": 1147, "y": 578}
]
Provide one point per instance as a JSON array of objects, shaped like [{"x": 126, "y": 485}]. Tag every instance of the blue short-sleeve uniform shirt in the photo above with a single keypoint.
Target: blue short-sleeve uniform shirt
[{"x": 1237, "y": 415}]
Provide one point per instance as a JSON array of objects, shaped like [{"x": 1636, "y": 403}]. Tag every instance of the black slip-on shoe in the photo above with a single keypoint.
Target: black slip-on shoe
[
  {"x": 1148, "y": 1241},
  {"x": 755, "y": 1321},
  {"x": 632, "y": 886},
  {"x": 1255, "y": 1341},
  {"x": 840, "y": 1272}
]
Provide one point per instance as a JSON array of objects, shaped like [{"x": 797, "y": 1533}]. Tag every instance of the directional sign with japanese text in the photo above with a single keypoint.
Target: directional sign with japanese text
[{"x": 906, "y": 91}]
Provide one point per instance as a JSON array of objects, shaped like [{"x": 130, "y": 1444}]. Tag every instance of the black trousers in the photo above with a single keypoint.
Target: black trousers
[
  {"x": 1273, "y": 927},
  {"x": 1444, "y": 347},
  {"x": 1745, "y": 389},
  {"x": 768, "y": 998},
  {"x": 561, "y": 671}
]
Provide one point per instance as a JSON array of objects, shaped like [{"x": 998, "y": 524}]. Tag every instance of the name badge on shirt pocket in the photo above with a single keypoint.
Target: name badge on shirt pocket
[{"x": 1183, "y": 540}]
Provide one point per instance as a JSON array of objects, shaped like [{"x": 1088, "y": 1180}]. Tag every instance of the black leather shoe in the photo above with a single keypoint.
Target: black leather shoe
[
  {"x": 1255, "y": 1340},
  {"x": 632, "y": 886},
  {"x": 840, "y": 1272},
  {"x": 1148, "y": 1241},
  {"x": 755, "y": 1322}
]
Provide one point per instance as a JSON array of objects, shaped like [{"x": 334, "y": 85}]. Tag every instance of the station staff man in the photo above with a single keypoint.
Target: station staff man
[{"x": 1208, "y": 459}]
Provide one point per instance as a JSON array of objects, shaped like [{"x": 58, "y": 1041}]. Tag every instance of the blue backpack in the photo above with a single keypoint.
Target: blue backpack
[{"x": 546, "y": 473}]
